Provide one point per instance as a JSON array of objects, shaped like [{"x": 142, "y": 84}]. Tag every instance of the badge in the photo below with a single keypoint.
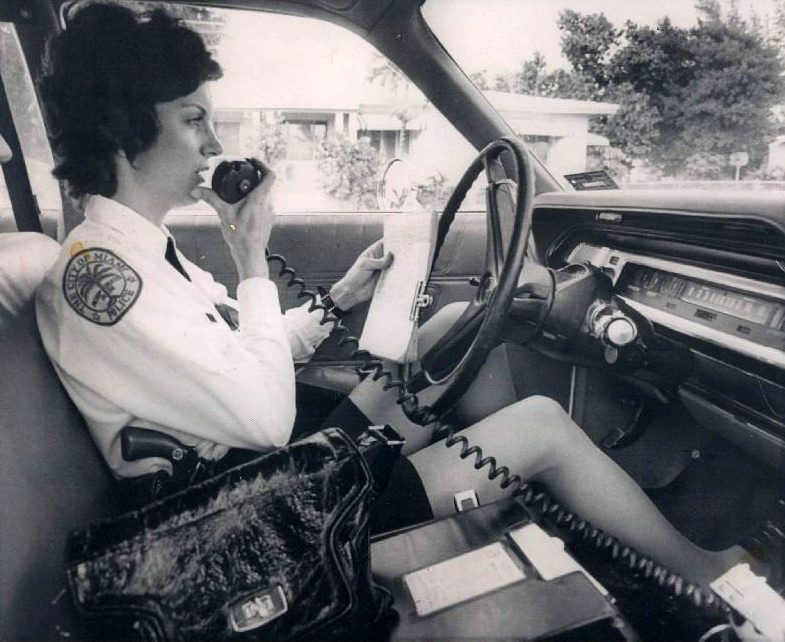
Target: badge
[{"x": 100, "y": 286}]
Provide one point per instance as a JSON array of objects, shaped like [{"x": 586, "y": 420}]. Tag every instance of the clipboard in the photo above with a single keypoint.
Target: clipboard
[{"x": 390, "y": 330}]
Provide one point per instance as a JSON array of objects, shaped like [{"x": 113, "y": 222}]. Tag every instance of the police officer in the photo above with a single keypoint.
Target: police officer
[{"x": 134, "y": 329}]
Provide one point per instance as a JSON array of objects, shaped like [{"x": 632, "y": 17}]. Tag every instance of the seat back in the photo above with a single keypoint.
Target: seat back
[{"x": 52, "y": 477}]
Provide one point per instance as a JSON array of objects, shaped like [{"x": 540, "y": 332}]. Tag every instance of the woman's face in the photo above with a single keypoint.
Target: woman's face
[{"x": 174, "y": 164}]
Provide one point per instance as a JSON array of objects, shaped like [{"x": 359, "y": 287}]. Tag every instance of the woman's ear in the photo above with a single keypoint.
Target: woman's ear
[
  {"x": 121, "y": 162},
  {"x": 130, "y": 163},
  {"x": 123, "y": 169}
]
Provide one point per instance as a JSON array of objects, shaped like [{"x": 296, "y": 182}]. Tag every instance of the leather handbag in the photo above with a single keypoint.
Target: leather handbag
[{"x": 274, "y": 549}]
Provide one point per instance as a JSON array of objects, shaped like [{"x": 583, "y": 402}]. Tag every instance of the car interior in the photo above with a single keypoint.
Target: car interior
[{"x": 656, "y": 318}]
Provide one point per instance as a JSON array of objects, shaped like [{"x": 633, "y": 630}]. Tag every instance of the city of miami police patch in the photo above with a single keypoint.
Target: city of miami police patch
[{"x": 100, "y": 286}]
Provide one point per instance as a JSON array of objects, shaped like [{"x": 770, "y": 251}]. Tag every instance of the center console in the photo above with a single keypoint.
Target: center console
[{"x": 489, "y": 573}]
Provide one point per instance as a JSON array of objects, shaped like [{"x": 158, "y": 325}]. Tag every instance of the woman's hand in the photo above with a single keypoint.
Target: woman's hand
[
  {"x": 245, "y": 225},
  {"x": 358, "y": 284}
]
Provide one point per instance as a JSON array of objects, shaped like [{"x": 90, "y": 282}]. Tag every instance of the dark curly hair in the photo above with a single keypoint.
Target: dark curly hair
[{"x": 103, "y": 77}]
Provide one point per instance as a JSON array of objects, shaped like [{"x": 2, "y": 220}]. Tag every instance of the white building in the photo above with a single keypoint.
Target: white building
[
  {"x": 397, "y": 121},
  {"x": 557, "y": 129}
]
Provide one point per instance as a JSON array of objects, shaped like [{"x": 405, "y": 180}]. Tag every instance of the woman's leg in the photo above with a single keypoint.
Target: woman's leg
[
  {"x": 537, "y": 440},
  {"x": 491, "y": 390}
]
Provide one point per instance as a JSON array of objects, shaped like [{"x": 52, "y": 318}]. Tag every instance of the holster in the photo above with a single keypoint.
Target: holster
[{"x": 187, "y": 467}]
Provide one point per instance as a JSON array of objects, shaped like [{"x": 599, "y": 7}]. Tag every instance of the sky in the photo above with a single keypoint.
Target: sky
[
  {"x": 498, "y": 34},
  {"x": 296, "y": 61},
  {"x": 299, "y": 61}
]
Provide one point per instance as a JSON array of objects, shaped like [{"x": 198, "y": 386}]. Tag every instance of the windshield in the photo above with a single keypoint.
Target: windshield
[{"x": 632, "y": 94}]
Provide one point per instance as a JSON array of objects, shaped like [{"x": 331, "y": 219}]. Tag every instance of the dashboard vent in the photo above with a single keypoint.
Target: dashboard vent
[{"x": 749, "y": 236}]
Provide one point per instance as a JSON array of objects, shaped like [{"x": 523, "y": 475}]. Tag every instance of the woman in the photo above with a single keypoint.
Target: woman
[{"x": 132, "y": 328}]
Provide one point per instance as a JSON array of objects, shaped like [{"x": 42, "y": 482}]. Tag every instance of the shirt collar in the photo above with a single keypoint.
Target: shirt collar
[{"x": 140, "y": 231}]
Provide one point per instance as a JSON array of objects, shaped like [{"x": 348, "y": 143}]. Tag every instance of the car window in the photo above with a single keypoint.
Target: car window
[
  {"x": 325, "y": 109},
  {"x": 32, "y": 138},
  {"x": 653, "y": 94}
]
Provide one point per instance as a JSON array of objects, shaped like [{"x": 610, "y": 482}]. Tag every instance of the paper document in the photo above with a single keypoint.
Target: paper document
[
  {"x": 391, "y": 324},
  {"x": 462, "y": 578}
]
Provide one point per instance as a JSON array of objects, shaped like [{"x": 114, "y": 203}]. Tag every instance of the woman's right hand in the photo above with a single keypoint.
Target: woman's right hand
[{"x": 245, "y": 225}]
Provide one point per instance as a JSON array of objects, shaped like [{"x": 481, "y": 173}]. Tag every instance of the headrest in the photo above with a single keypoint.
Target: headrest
[{"x": 25, "y": 257}]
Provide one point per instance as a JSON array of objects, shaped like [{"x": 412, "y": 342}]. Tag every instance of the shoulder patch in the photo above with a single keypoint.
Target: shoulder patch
[{"x": 100, "y": 286}]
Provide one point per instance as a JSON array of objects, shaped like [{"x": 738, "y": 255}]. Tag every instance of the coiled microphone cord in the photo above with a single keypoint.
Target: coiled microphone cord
[{"x": 532, "y": 495}]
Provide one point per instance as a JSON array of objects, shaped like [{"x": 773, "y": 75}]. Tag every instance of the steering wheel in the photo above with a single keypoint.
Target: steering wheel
[{"x": 479, "y": 326}]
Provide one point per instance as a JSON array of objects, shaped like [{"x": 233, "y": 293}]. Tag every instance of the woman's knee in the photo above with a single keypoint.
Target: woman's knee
[
  {"x": 542, "y": 407},
  {"x": 549, "y": 419}
]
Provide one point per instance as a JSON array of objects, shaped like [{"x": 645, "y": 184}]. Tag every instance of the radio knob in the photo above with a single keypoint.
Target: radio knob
[{"x": 620, "y": 332}]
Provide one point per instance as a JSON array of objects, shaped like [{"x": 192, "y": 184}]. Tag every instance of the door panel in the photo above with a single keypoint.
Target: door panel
[{"x": 322, "y": 247}]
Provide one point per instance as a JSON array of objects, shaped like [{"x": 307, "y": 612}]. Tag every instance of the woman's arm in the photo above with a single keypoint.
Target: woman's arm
[{"x": 168, "y": 363}]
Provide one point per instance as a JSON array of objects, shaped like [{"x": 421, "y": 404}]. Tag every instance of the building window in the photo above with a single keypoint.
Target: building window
[
  {"x": 540, "y": 145},
  {"x": 303, "y": 138},
  {"x": 386, "y": 142}
]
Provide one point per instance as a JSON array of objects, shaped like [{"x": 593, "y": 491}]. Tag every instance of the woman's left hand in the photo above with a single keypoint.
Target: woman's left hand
[{"x": 358, "y": 284}]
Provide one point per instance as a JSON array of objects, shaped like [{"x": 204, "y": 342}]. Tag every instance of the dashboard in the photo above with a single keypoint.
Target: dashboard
[
  {"x": 737, "y": 313},
  {"x": 708, "y": 271}
]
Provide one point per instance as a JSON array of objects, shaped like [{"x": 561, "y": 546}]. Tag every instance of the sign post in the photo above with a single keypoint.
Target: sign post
[{"x": 739, "y": 160}]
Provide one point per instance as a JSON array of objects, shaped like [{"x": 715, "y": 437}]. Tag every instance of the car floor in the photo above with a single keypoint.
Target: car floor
[
  {"x": 720, "y": 498},
  {"x": 713, "y": 491}
]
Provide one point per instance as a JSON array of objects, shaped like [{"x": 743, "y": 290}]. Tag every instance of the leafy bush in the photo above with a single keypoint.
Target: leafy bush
[
  {"x": 270, "y": 140},
  {"x": 776, "y": 173},
  {"x": 434, "y": 191},
  {"x": 706, "y": 166},
  {"x": 349, "y": 170}
]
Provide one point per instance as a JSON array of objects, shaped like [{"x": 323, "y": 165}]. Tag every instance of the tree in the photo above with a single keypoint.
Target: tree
[
  {"x": 270, "y": 139},
  {"x": 480, "y": 79},
  {"x": 646, "y": 77},
  {"x": 713, "y": 87},
  {"x": 586, "y": 42},
  {"x": 566, "y": 84},
  {"x": 406, "y": 105},
  {"x": 533, "y": 79},
  {"x": 433, "y": 191},
  {"x": 532, "y": 73},
  {"x": 777, "y": 26},
  {"x": 634, "y": 128},
  {"x": 687, "y": 97}
]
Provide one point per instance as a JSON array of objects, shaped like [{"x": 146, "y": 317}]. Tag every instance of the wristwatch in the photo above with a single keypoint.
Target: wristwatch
[{"x": 329, "y": 304}]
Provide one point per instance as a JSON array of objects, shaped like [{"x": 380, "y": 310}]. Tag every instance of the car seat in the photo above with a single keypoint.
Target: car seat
[{"x": 52, "y": 477}]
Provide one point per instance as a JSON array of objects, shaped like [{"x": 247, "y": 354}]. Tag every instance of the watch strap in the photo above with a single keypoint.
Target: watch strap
[{"x": 329, "y": 304}]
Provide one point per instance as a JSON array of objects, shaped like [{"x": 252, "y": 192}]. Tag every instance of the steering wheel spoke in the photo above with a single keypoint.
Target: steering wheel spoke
[
  {"x": 494, "y": 243},
  {"x": 442, "y": 359},
  {"x": 458, "y": 355}
]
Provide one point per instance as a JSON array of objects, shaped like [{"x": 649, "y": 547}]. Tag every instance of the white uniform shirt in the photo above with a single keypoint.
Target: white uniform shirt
[{"x": 135, "y": 343}]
